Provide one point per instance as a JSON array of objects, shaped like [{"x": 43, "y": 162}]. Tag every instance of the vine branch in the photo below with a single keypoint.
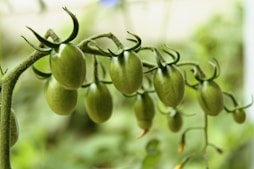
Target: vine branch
[{"x": 8, "y": 83}]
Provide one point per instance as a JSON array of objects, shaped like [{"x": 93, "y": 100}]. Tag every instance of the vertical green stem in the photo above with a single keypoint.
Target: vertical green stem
[
  {"x": 206, "y": 131},
  {"x": 7, "y": 89},
  {"x": 96, "y": 75},
  {"x": 8, "y": 83}
]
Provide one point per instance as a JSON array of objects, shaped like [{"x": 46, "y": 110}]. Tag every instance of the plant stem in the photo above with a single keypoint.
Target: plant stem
[
  {"x": 84, "y": 45},
  {"x": 205, "y": 131},
  {"x": 8, "y": 83}
]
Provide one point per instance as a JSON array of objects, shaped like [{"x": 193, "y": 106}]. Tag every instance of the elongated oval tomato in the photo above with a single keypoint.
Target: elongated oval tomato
[
  {"x": 169, "y": 85},
  {"x": 175, "y": 122},
  {"x": 239, "y": 116},
  {"x": 68, "y": 65},
  {"x": 14, "y": 128},
  {"x": 144, "y": 111},
  {"x": 62, "y": 101},
  {"x": 99, "y": 103},
  {"x": 210, "y": 97},
  {"x": 126, "y": 72}
]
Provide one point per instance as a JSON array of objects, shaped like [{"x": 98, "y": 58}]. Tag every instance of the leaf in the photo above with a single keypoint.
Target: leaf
[{"x": 152, "y": 158}]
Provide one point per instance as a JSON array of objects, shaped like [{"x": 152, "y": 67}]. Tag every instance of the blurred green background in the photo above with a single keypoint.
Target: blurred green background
[{"x": 199, "y": 30}]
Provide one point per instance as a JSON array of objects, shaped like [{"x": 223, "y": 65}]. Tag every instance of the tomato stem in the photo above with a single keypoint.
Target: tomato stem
[
  {"x": 84, "y": 45},
  {"x": 8, "y": 83},
  {"x": 96, "y": 74},
  {"x": 200, "y": 72},
  {"x": 205, "y": 131}
]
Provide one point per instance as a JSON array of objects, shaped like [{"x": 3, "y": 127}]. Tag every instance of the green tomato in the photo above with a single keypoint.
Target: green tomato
[
  {"x": 99, "y": 102},
  {"x": 68, "y": 65},
  {"x": 169, "y": 85},
  {"x": 144, "y": 111},
  {"x": 14, "y": 128},
  {"x": 62, "y": 101},
  {"x": 175, "y": 122},
  {"x": 210, "y": 97},
  {"x": 239, "y": 116},
  {"x": 126, "y": 72}
]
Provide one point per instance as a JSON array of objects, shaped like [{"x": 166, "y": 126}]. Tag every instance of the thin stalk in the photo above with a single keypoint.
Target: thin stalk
[
  {"x": 84, "y": 45},
  {"x": 205, "y": 132},
  {"x": 96, "y": 74},
  {"x": 196, "y": 65}
]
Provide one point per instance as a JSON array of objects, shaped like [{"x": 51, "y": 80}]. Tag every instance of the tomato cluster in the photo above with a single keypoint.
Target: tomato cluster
[
  {"x": 165, "y": 81},
  {"x": 161, "y": 82},
  {"x": 126, "y": 70}
]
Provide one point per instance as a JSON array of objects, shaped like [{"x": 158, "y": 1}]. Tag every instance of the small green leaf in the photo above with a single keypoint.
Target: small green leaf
[{"x": 152, "y": 158}]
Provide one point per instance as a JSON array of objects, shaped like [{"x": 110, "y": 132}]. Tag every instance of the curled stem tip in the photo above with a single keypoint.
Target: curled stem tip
[
  {"x": 68, "y": 39},
  {"x": 137, "y": 40}
]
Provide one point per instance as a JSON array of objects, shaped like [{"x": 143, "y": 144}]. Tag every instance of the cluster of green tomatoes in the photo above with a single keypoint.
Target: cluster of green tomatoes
[
  {"x": 157, "y": 83},
  {"x": 130, "y": 76}
]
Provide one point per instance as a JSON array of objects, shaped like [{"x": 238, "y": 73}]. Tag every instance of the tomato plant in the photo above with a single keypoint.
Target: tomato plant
[{"x": 129, "y": 74}]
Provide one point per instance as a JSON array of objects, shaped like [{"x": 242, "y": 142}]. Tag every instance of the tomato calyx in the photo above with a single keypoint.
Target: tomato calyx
[
  {"x": 134, "y": 48},
  {"x": 54, "y": 45},
  {"x": 161, "y": 61},
  {"x": 200, "y": 76}
]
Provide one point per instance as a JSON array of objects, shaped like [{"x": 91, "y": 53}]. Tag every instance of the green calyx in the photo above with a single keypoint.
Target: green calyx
[{"x": 56, "y": 44}]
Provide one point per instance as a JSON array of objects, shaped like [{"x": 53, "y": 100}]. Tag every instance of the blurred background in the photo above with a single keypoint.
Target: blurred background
[{"x": 199, "y": 29}]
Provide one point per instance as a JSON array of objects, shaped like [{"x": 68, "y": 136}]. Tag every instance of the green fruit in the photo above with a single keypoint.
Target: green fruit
[
  {"x": 210, "y": 97},
  {"x": 62, "y": 101},
  {"x": 239, "y": 116},
  {"x": 14, "y": 128},
  {"x": 99, "y": 103},
  {"x": 126, "y": 72},
  {"x": 175, "y": 122},
  {"x": 169, "y": 85},
  {"x": 68, "y": 65},
  {"x": 144, "y": 111}
]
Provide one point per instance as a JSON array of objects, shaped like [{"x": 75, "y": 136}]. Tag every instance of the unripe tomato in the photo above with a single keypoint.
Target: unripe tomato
[
  {"x": 239, "y": 116},
  {"x": 14, "y": 128},
  {"x": 175, "y": 122},
  {"x": 144, "y": 111},
  {"x": 62, "y": 101},
  {"x": 210, "y": 97},
  {"x": 99, "y": 102},
  {"x": 68, "y": 66},
  {"x": 126, "y": 72},
  {"x": 169, "y": 85}
]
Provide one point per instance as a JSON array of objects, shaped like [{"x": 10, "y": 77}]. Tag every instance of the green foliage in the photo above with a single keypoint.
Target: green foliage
[{"x": 153, "y": 153}]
